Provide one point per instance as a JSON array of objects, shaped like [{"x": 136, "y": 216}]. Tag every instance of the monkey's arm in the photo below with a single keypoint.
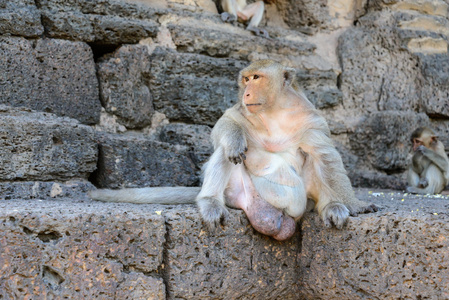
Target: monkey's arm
[
  {"x": 436, "y": 159},
  {"x": 230, "y": 135},
  {"x": 331, "y": 187}
]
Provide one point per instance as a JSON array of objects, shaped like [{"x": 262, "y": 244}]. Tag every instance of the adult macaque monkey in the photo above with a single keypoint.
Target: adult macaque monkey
[
  {"x": 240, "y": 10},
  {"x": 428, "y": 172},
  {"x": 273, "y": 151}
]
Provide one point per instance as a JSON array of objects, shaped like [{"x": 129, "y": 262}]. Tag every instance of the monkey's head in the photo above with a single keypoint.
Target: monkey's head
[
  {"x": 424, "y": 136},
  {"x": 262, "y": 83}
]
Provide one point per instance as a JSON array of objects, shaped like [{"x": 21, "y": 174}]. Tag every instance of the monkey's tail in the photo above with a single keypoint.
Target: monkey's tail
[{"x": 149, "y": 195}]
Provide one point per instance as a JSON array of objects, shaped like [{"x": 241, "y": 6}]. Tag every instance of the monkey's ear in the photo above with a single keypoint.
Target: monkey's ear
[{"x": 289, "y": 76}]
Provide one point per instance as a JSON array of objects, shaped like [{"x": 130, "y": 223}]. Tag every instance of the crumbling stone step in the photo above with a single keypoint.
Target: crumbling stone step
[{"x": 101, "y": 250}]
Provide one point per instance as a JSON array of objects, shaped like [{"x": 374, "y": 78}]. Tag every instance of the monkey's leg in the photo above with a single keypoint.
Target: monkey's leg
[
  {"x": 264, "y": 217},
  {"x": 435, "y": 179},
  {"x": 254, "y": 11},
  {"x": 210, "y": 200},
  {"x": 230, "y": 10},
  {"x": 327, "y": 182}
]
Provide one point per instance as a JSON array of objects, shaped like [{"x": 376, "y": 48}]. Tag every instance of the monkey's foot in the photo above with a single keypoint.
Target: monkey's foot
[
  {"x": 212, "y": 211},
  {"x": 361, "y": 207},
  {"x": 335, "y": 213},
  {"x": 228, "y": 18},
  {"x": 423, "y": 183},
  {"x": 259, "y": 32},
  {"x": 270, "y": 221}
]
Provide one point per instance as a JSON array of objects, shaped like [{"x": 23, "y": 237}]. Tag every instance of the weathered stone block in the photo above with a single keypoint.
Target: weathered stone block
[
  {"x": 58, "y": 249},
  {"x": 140, "y": 286},
  {"x": 376, "y": 180},
  {"x": 383, "y": 138},
  {"x": 135, "y": 161},
  {"x": 372, "y": 72},
  {"x": 104, "y": 22},
  {"x": 50, "y": 75},
  {"x": 398, "y": 252},
  {"x": 311, "y": 16},
  {"x": 196, "y": 137},
  {"x": 435, "y": 86},
  {"x": 218, "y": 43},
  {"x": 232, "y": 262},
  {"x": 193, "y": 88},
  {"x": 74, "y": 189},
  {"x": 43, "y": 147},
  {"x": 124, "y": 85},
  {"x": 320, "y": 87},
  {"x": 20, "y": 17}
]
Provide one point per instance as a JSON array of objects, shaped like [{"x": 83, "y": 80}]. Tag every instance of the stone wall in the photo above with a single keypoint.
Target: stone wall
[
  {"x": 376, "y": 70},
  {"x": 93, "y": 250},
  {"x": 119, "y": 94}
]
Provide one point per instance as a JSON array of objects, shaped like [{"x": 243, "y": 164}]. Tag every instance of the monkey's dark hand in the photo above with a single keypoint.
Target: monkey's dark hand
[
  {"x": 421, "y": 149},
  {"x": 228, "y": 18},
  {"x": 235, "y": 152},
  {"x": 423, "y": 183}
]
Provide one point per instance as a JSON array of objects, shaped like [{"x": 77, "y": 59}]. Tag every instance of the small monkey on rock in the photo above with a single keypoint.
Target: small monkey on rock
[
  {"x": 428, "y": 172},
  {"x": 273, "y": 152},
  {"x": 239, "y": 10}
]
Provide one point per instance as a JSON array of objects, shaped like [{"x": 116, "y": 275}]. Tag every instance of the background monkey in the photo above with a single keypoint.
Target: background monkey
[
  {"x": 239, "y": 9},
  {"x": 273, "y": 151},
  {"x": 428, "y": 172}
]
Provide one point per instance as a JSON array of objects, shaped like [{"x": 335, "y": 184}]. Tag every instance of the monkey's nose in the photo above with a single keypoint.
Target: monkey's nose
[{"x": 247, "y": 95}]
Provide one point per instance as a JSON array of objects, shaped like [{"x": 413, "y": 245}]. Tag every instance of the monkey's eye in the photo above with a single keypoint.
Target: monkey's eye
[
  {"x": 246, "y": 79},
  {"x": 256, "y": 76}
]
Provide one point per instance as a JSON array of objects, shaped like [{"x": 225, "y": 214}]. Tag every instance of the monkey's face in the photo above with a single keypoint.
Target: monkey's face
[
  {"x": 426, "y": 139},
  {"x": 255, "y": 91},
  {"x": 416, "y": 143}
]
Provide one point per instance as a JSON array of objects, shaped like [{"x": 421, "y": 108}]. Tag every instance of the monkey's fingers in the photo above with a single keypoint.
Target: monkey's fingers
[
  {"x": 237, "y": 159},
  {"x": 212, "y": 211},
  {"x": 335, "y": 214},
  {"x": 227, "y": 17}
]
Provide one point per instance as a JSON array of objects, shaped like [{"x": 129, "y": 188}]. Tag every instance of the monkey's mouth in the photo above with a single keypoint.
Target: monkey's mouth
[{"x": 253, "y": 104}]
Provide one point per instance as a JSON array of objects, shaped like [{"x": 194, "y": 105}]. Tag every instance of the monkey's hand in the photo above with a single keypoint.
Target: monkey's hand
[
  {"x": 423, "y": 183},
  {"x": 228, "y": 18},
  {"x": 422, "y": 149},
  {"x": 235, "y": 150},
  {"x": 335, "y": 214},
  {"x": 259, "y": 32},
  {"x": 212, "y": 211}
]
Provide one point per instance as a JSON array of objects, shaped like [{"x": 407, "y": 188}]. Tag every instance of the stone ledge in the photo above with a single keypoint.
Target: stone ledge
[{"x": 91, "y": 249}]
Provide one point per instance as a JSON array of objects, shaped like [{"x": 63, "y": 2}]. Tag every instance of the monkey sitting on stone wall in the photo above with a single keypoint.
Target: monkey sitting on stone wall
[
  {"x": 428, "y": 172},
  {"x": 273, "y": 152}
]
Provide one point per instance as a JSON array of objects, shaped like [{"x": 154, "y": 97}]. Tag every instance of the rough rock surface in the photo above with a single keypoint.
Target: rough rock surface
[
  {"x": 49, "y": 75},
  {"x": 133, "y": 161},
  {"x": 193, "y": 88},
  {"x": 103, "y": 22},
  {"x": 196, "y": 137},
  {"x": 25, "y": 190},
  {"x": 165, "y": 252},
  {"x": 40, "y": 147},
  {"x": 399, "y": 252},
  {"x": 20, "y": 17},
  {"x": 124, "y": 85},
  {"x": 57, "y": 249}
]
